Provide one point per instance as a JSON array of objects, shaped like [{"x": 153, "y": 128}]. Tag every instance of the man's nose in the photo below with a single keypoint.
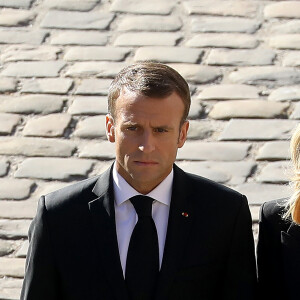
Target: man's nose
[{"x": 147, "y": 144}]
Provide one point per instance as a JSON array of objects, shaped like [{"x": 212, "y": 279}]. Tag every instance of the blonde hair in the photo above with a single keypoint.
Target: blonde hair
[{"x": 292, "y": 205}]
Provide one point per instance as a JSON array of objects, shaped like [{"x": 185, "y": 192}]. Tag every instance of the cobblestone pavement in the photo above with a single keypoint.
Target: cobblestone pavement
[{"x": 57, "y": 58}]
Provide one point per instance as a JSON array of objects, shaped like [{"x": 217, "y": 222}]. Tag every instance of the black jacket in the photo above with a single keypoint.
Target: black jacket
[
  {"x": 73, "y": 253},
  {"x": 278, "y": 254}
]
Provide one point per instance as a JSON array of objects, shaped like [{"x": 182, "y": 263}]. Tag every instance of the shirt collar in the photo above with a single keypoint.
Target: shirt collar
[{"x": 123, "y": 191}]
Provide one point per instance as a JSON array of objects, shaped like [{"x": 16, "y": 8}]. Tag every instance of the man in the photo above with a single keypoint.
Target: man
[{"x": 95, "y": 240}]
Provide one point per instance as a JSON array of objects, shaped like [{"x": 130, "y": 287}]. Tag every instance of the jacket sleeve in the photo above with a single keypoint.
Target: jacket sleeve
[
  {"x": 269, "y": 259},
  {"x": 240, "y": 280},
  {"x": 41, "y": 278}
]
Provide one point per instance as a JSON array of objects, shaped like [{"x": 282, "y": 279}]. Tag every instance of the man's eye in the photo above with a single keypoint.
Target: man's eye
[
  {"x": 160, "y": 130},
  {"x": 131, "y": 128}
]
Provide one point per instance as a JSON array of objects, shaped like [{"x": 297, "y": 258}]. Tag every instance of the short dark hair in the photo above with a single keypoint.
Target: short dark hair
[{"x": 150, "y": 79}]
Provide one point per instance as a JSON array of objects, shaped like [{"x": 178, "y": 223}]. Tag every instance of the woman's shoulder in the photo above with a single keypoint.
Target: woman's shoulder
[
  {"x": 274, "y": 208},
  {"x": 272, "y": 213}
]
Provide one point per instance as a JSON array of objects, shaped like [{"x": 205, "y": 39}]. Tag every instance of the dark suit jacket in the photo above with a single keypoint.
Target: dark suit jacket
[
  {"x": 278, "y": 254},
  {"x": 73, "y": 253}
]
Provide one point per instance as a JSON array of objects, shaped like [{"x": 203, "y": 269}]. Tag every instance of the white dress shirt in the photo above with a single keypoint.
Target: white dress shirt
[{"x": 126, "y": 216}]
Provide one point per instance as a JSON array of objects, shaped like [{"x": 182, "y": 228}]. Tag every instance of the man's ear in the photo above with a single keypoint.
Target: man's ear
[
  {"x": 110, "y": 129},
  {"x": 183, "y": 133}
]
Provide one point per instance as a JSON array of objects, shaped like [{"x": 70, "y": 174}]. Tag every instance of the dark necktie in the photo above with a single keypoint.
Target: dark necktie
[{"x": 142, "y": 265}]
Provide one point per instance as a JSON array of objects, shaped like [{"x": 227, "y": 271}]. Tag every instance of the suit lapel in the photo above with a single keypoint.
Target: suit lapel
[
  {"x": 180, "y": 219},
  {"x": 103, "y": 217}
]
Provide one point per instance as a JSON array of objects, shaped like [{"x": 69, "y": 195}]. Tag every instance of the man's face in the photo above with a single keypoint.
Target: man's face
[{"x": 147, "y": 134}]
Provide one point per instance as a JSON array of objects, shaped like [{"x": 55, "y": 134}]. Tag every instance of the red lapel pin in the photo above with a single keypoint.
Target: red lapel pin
[{"x": 185, "y": 214}]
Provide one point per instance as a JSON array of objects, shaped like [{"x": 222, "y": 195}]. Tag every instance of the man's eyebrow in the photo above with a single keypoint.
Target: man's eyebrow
[
  {"x": 130, "y": 123},
  {"x": 163, "y": 126}
]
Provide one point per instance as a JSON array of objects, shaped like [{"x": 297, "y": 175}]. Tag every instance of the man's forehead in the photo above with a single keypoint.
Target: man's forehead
[{"x": 128, "y": 94}]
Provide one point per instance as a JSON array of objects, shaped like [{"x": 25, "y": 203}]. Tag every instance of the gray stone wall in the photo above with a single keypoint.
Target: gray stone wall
[{"x": 57, "y": 58}]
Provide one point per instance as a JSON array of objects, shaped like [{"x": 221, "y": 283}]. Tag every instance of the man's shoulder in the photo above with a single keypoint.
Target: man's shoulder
[
  {"x": 78, "y": 190},
  {"x": 203, "y": 188},
  {"x": 203, "y": 184}
]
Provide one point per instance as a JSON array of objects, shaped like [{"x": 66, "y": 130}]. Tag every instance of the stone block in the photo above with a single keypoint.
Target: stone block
[
  {"x": 200, "y": 130},
  {"x": 8, "y": 122},
  {"x": 88, "y": 106},
  {"x": 98, "y": 150},
  {"x": 15, "y": 189},
  {"x": 196, "y": 109},
  {"x": 147, "y": 39},
  {"x": 224, "y": 24},
  {"x": 91, "y": 127},
  {"x": 49, "y": 187},
  {"x": 221, "y": 8},
  {"x": 286, "y": 41},
  {"x": 8, "y": 85},
  {"x": 275, "y": 172},
  {"x": 150, "y": 23},
  {"x": 224, "y": 172},
  {"x": 38, "y": 104},
  {"x": 93, "y": 87},
  {"x": 14, "y": 229},
  {"x": 155, "y": 7},
  {"x": 12, "y": 36},
  {"x": 248, "y": 109},
  {"x": 259, "y": 130},
  {"x": 77, "y": 20},
  {"x": 255, "y": 210},
  {"x": 12, "y": 267},
  {"x": 258, "y": 193},
  {"x": 26, "y": 52},
  {"x": 98, "y": 69},
  {"x": 36, "y": 147},
  {"x": 15, "y": 17},
  {"x": 168, "y": 54},
  {"x": 296, "y": 112},
  {"x": 266, "y": 75},
  {"x": 274, "y": 151},
  {"x": 283, "y": 9},
  {"x": 285, "y": 93},
  {"x": 18, "y": 209},
  {"x": 10, "y": 288},
  {"x": 15, "y": 3},
  {"x": 197, "y": 73},
  {"x": 77, "y": 38},
  {"x": 6, "y": 247},
  {"x": 214, "y": 151},
  {"x": 22, "y": 252},
  {"x": 53, "y": 125},
  {"x": 47, "y": 86},
  {"x": 95, "y": 53},
  {"x": 54, "y": 168},
  {"x": 33, "y": 69},
  {"x": 223, "y": 40},
  {"x": 70, "y": 5},
  {"x": 101, "y": 166},
  {"x": 220, "y": 57},
  {"x": 3, "y": 166},
  {"x": 287, "y": 27},
  {"x": 291, "y": 59},
  {"x": 204, "y": 170},
  {"x": 229, "y": 92}
]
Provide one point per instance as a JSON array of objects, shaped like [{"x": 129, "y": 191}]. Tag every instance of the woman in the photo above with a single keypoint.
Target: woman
[{"x": 278, "y": 250}]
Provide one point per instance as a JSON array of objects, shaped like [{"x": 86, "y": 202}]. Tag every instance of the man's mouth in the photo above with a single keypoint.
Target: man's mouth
[{"x": 145, "y": 162}]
